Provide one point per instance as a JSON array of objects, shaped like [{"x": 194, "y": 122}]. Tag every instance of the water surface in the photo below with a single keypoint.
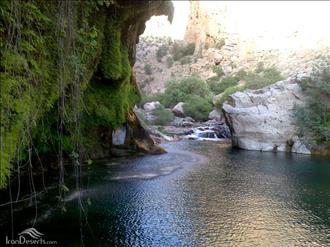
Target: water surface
[{"x": 198, "y": 194}]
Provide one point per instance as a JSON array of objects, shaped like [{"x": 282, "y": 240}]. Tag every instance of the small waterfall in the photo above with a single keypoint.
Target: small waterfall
[{"x": 203, "y": 133}]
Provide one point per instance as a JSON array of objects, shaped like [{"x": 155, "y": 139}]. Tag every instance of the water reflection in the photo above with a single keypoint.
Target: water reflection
[{"x": 199, "y": 195}]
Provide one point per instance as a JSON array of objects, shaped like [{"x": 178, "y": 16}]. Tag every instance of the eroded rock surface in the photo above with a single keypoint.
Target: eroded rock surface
[{"x": 264, "y": 119}]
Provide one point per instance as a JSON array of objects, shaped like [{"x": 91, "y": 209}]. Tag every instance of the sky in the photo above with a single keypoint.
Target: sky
[{"x": 276, "y": 21}]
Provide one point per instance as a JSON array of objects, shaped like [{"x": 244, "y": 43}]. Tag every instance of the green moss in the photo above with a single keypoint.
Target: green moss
[
  {"x": 42, "y": 53},
  {"x": 107, "y": 105},
  {"x": 111, "y": 63}
]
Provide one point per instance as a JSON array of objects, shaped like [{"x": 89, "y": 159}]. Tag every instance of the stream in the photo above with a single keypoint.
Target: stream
[{"x": 198, "y": 194}]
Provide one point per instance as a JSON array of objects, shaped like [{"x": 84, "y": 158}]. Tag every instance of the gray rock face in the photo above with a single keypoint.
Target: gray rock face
[
  {"x": 299, "y": 147},
  {"x": 264, "y": 119},
  {"x": 215, "y": 115},
  {"x": 178, "y": 110},
  {"x": 183, "y": 122}
]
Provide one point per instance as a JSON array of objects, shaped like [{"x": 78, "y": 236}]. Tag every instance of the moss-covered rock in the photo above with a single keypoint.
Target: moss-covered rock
[{"x": 66, "y": 69}]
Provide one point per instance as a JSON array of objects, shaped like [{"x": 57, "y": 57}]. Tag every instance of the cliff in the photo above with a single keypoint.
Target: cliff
[
  {"x": 291, "y": 115},
  {"x": 66, "y": 78}
]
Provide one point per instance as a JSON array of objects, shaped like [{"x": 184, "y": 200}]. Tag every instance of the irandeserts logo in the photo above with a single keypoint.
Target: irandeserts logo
[
  {"x": 32, "y": 232},
  {"x": 29, "y": 236}
]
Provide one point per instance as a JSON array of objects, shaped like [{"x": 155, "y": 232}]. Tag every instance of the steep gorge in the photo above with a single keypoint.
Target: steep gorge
[{"x": 67, "y": 79}]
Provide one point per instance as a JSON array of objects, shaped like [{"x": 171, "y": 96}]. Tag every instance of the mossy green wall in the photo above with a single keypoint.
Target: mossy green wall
[{"x": 61, "y": 62}]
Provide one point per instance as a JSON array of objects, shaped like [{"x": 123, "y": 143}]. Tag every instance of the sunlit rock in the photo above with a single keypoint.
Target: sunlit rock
[
  {"x": 264, "y": 119},
  {"x": 178, "y": 110}
]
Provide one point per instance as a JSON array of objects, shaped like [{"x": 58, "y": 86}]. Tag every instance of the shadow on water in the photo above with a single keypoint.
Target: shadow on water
[{"x": 197, "y": 194}]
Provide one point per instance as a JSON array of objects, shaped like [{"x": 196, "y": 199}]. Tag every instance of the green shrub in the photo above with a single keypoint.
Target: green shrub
[
  {"x": 220, "y": 43},
  {"x": 228, "y": 81},
  {"x": 144, "y": 83},
  {"x": 173, "y": 94},
  {"x": 213, "y": 83},
  {"x": 315, "y": 116},
  {"x": 181, "y": 50},
  {"x": 147, "y": 69},
  {"x": 195, "y": 85},
  {"x": 176, "y": 92},
  {"x": 218, "y": 70},
  {"x": 162, "y": 116},
  {"x": 169, "y": 61},
  {"x": 241, "y": 74},
  {"x": 197, "y": 107},
  {"x": 252, "y": 81},
  {"x": 219, "y": 86},
  {"x": 229, "y": 91},
  {"x": 161, "y": 52},
  {"x": 185, "y": 60},
  {"x": 266, "y": 77},
  {"x": 260, "y": 67}
]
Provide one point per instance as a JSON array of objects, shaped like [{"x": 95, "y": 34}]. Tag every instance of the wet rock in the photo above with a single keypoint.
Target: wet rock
[
  {"x": 137, "y": 138},
  {"x": 183, "y": 122},
  {"x": 220, "y": 128},
  {"x": 119, "y": 135}
]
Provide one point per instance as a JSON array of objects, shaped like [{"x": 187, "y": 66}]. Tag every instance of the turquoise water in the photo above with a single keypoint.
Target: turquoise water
[{"x": 198, "y": 194}]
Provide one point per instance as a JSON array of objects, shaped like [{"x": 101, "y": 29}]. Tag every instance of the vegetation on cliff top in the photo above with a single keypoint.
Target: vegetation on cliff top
[
  {"x": 259, "y": 78},
  {"x": 314, "y": 118}
]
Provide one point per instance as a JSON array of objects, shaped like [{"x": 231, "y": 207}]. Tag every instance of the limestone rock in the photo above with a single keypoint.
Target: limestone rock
[
  {"x": 299, "y": 147},
  {"x": 183, "y": 122},
  {"x": 263, "y": 119},
  {"x": 216, "y": 115},
  {"x": 178, "y": 110},
  {"x": 150, "y": 106}
]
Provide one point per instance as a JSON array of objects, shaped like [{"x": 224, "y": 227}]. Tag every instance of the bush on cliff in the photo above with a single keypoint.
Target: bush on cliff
[
  {"x": 252, "y": 80},
  {"x": 147, "y": 69},
  {"x": 161, "y": 52},
  {"x": 264, "y": 78},
  {"x": 179, "y": 51},
  {"x": 219, "y": 86},
  {"x": 315, "y": 116}
]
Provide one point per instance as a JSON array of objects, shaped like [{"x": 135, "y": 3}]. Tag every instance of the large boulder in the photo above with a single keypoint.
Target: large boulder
[
  {"x": 215, "y": 115},
  {"x": 150, "y": 106},
  {"x": 264, "y": 119},
  {"x": 178, "y": 110}
]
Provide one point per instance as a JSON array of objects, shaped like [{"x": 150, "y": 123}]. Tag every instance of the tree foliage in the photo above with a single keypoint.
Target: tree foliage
[
  {"x": 315, "y": 116},
  {"x": 178, "y": 91},
  {"x": 179, "y": 51},
  {"x": 197, "y": 107},
  {"x": 162, "y": 116}
]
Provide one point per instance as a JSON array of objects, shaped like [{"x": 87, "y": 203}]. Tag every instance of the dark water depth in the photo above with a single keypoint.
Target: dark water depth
[{"x": 197, "y": 194}]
